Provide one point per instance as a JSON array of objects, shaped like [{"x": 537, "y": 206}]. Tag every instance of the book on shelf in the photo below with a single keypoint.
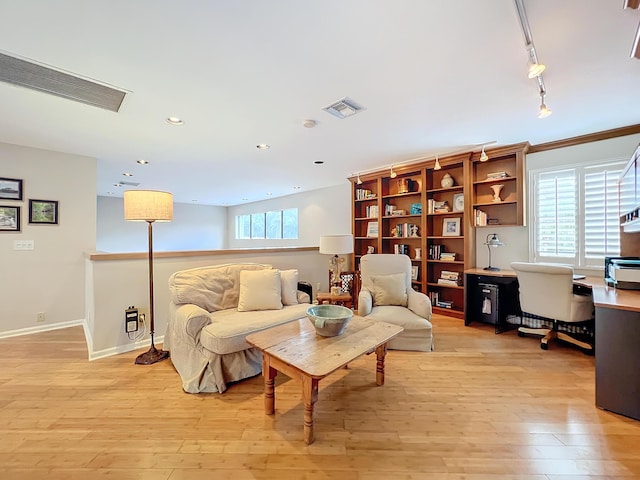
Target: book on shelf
[
  {"x": 401, "y": 249},
  {"x": 435, "y": 250},
  {"x": 444, "y": 304},
  {"x": 409, "y": 230},
  {"x": 434, "y": 297},
  {"x": 452, "y": 283},
  {"x": 449, "y": 275},
  {"x": 480, "y": 218},
  {"x": 496, "y": 175},
  {"x": 447, "y": 256},
  {"x": 364, "y": 194},
  {"x": 371, "y": 211},
  {"x": 416, "y": 209}
]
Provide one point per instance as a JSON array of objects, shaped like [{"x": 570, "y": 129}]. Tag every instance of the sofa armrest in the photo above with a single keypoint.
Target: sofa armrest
[
  {"x": 419, "y": 303},
  {"x": 303, "y": 297},
  {"x": 189, "y": 320},
  {"x": 306, "y": 288},
  {"x": 365, "y": 302}
]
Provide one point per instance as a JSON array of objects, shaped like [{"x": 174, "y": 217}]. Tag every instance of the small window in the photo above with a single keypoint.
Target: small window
[{"x": 274, "y": 225}]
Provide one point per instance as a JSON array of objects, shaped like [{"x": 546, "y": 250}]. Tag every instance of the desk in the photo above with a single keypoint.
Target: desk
[
  {"x": 508, "y": 303},
  {"x": 618, "y": 350}
]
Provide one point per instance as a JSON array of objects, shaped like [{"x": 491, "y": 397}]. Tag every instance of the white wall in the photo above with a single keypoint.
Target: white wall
[
  {"x": 517, "y": 238},
  {"x": 50, "y": 278},
  {"x": 194, "y": 227},
  {"x": 320, "y": 212}
]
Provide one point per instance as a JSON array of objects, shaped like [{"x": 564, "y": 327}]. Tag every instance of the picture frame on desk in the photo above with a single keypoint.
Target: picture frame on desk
[{"x": 451, "y": 227}]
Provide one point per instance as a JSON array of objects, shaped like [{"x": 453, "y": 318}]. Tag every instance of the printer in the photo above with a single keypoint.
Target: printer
[{"x": 622, "y": 272}]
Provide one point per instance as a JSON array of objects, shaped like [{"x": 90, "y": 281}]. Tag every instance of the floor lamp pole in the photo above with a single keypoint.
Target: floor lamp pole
[{"x": 153, "y": 355}]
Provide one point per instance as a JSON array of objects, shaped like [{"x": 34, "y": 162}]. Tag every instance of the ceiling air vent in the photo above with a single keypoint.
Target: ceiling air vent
[
  {"x": 131, "y": 184},
  {"x": 26, "y": 73},
  {"x": 343, "y": 108}
]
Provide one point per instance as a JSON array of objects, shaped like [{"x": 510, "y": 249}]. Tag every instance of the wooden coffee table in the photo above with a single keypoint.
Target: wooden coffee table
[{"x": 297, "y": 351}]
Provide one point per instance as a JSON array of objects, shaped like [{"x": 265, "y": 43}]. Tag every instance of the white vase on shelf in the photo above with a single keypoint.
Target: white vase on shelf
[
  {"x": 447, "y": 181},
  {"x": 496, "y": 192}
]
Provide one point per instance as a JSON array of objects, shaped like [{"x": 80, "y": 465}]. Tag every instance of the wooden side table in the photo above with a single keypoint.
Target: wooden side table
[{"x": 342, "y": 299}]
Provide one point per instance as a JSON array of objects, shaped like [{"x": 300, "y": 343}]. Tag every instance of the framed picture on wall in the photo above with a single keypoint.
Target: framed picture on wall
[
  {"x": 10, "y": 189},
  {"x": 9, "y": 218},
  {"x": 43, "y": 212},
  {"x": 451, "y": 227}
]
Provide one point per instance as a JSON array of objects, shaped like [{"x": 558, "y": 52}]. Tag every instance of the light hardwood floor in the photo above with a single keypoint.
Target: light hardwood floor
[{"x": 482, "y": 406}]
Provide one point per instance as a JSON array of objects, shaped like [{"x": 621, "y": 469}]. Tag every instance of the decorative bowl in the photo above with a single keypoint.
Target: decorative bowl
[{"x": 329, "y": 320}]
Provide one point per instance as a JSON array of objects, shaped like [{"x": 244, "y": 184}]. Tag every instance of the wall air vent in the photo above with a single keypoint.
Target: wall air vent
[
  {"x": 343, "y": 108},
  {"x": 29, "y": 74}
]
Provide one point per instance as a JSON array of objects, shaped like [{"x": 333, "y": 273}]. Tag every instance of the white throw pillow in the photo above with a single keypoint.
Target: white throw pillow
[
  {"x": 260, "y": 290},
  {"x": 289, "y": 286},
  {"x": 389, "y": 289}
]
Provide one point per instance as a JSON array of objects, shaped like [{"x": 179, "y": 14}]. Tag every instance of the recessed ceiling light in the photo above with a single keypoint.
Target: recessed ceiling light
[
  {"x": 117, "y": 184},
  {"x": 142, "y": 162},
  {"x": 194, "y": 200},
  {"x": 297, "y": 188},
  {"x": 128, "y": 174},
  {"x": 175, "y": 121},
  {"x": 269, "y": 193},
  {"x": 245, "y": 199},
  {"x": 319, "y": 162},
  {"x": 263, "y": 146}
]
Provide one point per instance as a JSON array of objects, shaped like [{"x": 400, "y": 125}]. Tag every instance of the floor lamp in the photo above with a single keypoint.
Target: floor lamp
[
  {"x": 149, "y": 206},
  {"x": 336, "y": 245},
  {"x": 492, "y": 242}
]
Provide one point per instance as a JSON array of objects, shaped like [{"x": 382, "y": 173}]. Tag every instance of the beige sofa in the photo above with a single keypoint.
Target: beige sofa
[{"x": 213, "y": 309}]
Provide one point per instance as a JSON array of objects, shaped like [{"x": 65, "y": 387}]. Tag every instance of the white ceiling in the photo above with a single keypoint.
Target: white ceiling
[{"x": 432, "y": 75}]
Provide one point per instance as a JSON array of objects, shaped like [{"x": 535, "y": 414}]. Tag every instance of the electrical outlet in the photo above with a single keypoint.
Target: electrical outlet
[{"x": 41, "y": 317}]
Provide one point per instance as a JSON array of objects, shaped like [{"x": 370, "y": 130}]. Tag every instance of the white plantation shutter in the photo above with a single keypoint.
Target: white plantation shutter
[
  {"x": 556, "y": 210},
  {"x": 576, "y": 214},
  {"x": 601, "y": 216}
]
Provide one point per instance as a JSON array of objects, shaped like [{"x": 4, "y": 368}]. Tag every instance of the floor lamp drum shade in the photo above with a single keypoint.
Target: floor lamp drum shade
[
  {"x": 336, "y": 244},
  {"x": 148, "y": 206}
]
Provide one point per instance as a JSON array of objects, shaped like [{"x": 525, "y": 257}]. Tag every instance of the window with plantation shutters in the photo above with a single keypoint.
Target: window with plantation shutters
[{"x": 576, "y": 214}]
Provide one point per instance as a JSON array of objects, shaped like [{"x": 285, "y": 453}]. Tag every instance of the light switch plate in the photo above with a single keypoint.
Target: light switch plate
[{"x": 23, "y": 244}]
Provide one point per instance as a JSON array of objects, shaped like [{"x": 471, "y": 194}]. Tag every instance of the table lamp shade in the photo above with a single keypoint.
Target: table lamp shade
[
  {"x": 148, "y": 205},
  {"x": 336, "y": 244}
]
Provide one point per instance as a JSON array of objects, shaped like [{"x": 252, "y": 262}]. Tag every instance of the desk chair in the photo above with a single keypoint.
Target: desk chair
[
  {"x": 551, "y": 308},
  {"x": 386, "y": 295}
]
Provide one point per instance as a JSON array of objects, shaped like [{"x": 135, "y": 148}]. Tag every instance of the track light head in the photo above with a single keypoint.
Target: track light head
[
  {"x": 359, "y": 180},
  {"x": 437, "y": 165},
  {"x": 483, "y": 156},
  {"x": 536, "y": 69},
  {"x": 544, "y": 111},
  {"x": 392, "y": 174}
]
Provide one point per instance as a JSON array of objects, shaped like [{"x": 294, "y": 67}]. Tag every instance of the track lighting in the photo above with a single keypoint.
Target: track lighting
[
  {"x": 544, "y": 111},
  {"x": 536, "y": 69},
  {"x": 359, "y": 180},
  {"x": 437, "y": 165},
  {"x": 483, "y": 156},
  {"x": 392, "y": 174}
]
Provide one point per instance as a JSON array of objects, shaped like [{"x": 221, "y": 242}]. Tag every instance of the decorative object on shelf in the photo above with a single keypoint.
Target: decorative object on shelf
[
  {"x": 496, "y": 192},
  {"x": 43, "y": 212},
  {"x": 458, "y": 202},
  {"x": 492, "y": 242},
  {"x": 9, "y": 218},
  {"x": 413, "y": 230},
  {"x": 418, "y": 254},
  {"x": 372, "y": 229},
  {"x": 414, "y": 272},
  {"x": 496, "y": 175},
  {"x": 336, "y": 245},
  {"x": 451, "y": 227},
  {"x": 416, "y": 209},
  {"x": 149, "y": 206},
  {"x": 406, "y": 185},
  {"x": 371, "y": 249},
  {"x": 447, "y": 181},
  {"x": 10, "y": 189},
  {"x": 398, "y": 212}
]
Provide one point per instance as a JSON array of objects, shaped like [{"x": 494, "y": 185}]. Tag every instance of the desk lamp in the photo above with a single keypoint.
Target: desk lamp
[
  {"x": 149, "y": 206},
  {"x": 492, "y": 241},
  {"x": 336, "y": 245}
]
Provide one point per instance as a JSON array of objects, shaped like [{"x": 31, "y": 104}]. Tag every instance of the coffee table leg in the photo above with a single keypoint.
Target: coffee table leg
[
  {"x": 381, "y": 351},
  {"x": 269, "y": 373},
  {"x": 309, "y": 397}
]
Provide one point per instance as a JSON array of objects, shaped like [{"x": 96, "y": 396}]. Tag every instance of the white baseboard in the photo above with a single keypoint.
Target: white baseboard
[
  {"x": 43, "y": 328},
  {"x": 109, "y": 352}
]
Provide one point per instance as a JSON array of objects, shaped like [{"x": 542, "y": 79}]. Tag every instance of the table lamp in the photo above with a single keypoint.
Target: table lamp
[
  {"x": 149, "y": 206},
  {"x": 336, "y": 245},
  {"x": 492, "y": 242}
]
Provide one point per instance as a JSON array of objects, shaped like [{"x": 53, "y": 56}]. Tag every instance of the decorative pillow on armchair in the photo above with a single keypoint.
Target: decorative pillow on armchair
[
  {"x": 260, "y": 290},
  {"x": 389, "y": 289}
]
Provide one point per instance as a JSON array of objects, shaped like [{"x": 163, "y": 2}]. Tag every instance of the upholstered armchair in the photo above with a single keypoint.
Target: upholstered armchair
[
  {"x": 386, "y": 295},
  {"x": 550, "y": 307}
]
